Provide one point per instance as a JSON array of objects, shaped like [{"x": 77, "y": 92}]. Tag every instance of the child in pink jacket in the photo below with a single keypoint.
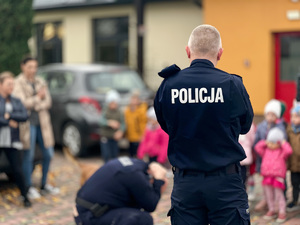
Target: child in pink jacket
[
  {"x": 155, "y": 140},
  {"x": 274, "y": 152}
]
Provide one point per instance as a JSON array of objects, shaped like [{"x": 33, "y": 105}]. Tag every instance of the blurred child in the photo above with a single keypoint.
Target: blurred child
[
  {"x": 155, "y": 140},
  {"x": 273, "y": 112},
  {"x": 274, "y": 152},
  {"x": 247, "y": 141},
  {"x": 135, "y": 119},
  {"x": 293, "y": 132},
  {"x": 112, "y": 126}
]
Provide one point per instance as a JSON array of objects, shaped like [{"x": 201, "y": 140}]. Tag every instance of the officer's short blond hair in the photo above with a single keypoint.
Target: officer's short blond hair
[{"x": 205, "y": 40}]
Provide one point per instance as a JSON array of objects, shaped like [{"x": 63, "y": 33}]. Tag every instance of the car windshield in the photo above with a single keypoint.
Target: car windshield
[{"x": 122, "y": 81}]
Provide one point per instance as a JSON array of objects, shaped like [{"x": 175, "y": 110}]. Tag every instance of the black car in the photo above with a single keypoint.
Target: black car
[{"x": 78, "y": 95}]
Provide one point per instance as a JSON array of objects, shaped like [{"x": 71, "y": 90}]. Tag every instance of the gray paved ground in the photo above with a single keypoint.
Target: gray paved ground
[{"x": 58, "y": 209}]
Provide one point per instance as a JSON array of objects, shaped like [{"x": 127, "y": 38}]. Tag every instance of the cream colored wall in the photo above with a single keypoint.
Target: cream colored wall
[
  {"x": 78, "y": 34},
  {"x": 168, "y": 27}
]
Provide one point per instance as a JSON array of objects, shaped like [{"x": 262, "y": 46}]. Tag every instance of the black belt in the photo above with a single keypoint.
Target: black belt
[
  {"x": 230, "y": 169},
  {"x": 95, "y": 208}
]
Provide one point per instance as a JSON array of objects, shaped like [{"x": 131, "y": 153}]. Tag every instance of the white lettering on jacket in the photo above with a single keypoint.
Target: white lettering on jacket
[{"x": 197, "y": 95}]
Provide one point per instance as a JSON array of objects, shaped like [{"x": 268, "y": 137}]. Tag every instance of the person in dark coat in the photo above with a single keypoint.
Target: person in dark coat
[
  {"x": 204, "y": 110},
  {"x": 12, "y": 112},
  {"x": 122, "y": 192}
]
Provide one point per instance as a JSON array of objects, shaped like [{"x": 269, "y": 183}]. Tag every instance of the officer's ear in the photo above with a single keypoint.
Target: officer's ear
[
  {"x": 188, "y": 51},
  {"x": 220, "y": 52}
]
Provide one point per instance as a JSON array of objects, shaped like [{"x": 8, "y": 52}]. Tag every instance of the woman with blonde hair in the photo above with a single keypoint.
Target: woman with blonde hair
[{"x": 12, "y": 112}]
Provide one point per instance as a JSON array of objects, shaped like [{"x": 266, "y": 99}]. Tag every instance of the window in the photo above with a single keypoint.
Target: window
[
  {"x": 49, "y": 42},
  {"x": 58, "y": 82},
  {"x": 290, "y": 57},
  {"x": 111, "y": 40},
  {"x": 122, "y": 81}
]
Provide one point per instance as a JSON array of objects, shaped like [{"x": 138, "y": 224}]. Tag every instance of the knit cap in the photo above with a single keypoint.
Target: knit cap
[
  {"x": 275, "y": 135},
  {"x": 151, "y": 113},
  {"x": 112, "y": 96},
  {"x": 273, "y": 106}
]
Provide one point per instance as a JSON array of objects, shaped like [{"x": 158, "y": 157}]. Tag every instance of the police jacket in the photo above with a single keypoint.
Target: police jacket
[
  {"x": 122, "y": 182},
  {"x": 19, "y": 114},
  {"x": 203, "y": 109}
]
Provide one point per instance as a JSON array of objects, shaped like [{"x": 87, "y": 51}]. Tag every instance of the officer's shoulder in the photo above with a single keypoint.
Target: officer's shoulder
[
  {"x": 169, "y": 71},
  {"x": 235, "y": 76}
]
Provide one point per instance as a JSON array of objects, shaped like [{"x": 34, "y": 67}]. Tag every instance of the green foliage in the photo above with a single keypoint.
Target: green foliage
[{"x": 15, "y": 30}]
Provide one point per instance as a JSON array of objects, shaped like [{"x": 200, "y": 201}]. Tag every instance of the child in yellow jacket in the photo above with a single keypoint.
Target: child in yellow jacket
[{"x": 135, "y": 119}]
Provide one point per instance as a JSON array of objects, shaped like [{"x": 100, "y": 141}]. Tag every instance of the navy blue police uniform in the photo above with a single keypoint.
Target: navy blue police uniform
[
  {"x": 204, "y": 110},
  {"x": 119, "y": 193}
]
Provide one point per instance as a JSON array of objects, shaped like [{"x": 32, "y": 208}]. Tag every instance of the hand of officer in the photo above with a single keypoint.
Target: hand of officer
[{"x": 157, "y": 171}]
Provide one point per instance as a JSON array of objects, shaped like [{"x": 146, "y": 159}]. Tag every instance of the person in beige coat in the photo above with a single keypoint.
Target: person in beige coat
[{"x": 34, "y": 94}]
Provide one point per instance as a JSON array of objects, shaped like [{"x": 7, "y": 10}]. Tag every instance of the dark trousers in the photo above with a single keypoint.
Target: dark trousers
[
  {"x": 295, "y": 178},
  {"x": 109, "y": 149},
  {"x": 215, "y": 199},
  {"x": 121, "y": 216},
  {"x": 14, "y": 158},
  {"x": 133, "y": 146}
]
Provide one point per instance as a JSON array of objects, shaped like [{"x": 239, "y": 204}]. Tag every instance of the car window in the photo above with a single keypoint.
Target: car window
[
  {"x": 123, "y": 81},
  {"x": 59, "y": 82}
]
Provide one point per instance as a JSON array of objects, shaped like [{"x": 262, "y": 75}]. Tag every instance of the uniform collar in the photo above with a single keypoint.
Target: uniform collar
[{"x": 203, "y": 62}]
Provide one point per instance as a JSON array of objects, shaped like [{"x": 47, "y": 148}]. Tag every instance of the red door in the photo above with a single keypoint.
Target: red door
[{"x": 287, "y": 68}]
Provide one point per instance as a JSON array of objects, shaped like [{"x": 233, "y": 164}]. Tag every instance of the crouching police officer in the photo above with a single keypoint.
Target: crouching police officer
[
  {"x": 204, "y": 109},
  {"x": 122, "y": 192}
]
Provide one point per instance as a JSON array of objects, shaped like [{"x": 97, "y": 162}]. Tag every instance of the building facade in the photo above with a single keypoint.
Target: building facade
[
  {"x": 261, "y": 41},
  {"x": 85, "y": 31}
]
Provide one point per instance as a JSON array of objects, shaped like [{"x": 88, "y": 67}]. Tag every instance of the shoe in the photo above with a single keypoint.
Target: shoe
[
  {"x": 270, "y": 215},
  {"x": 281, "y": 218},
  {"x": 49, "y": 189},
  {"x": 262, "y": 205},
  {"x": 291, "y": 207},
  {"x": 33, "y": 193},
  {"x": 26, "y": 203}
]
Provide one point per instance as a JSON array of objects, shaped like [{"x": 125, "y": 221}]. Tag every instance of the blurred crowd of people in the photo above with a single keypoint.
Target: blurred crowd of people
[
  {"x": 138, "y": 124},
  {"x": 272, "y": 148},
  {"x": 24, "y": 121}
]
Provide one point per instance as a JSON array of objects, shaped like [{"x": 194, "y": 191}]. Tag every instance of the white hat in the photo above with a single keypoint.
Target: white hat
[
  {"x": 151, "y": 113},
  {"x": 273, "y": 106},
  {"x": 275, "y": 135},
  {"x": 112, "y": 96}
]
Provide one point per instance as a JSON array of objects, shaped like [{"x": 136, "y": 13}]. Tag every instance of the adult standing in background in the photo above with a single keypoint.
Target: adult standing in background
[
  {"x": 204, "y": 110},
  {"x": 34, "y": 94},
  {"x": 12, "y": 112}
]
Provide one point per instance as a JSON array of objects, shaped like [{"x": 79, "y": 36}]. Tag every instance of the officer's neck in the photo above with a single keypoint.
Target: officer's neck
[{"x": 214, "y": 61}]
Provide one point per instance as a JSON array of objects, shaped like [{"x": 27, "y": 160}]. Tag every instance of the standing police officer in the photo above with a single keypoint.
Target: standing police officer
[
  {"x": 204, "y": 109},
  {"x": 116, "y": 193}
]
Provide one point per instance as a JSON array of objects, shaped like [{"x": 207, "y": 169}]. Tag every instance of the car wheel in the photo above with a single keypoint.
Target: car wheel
[{"x": 72, "y": 138}]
